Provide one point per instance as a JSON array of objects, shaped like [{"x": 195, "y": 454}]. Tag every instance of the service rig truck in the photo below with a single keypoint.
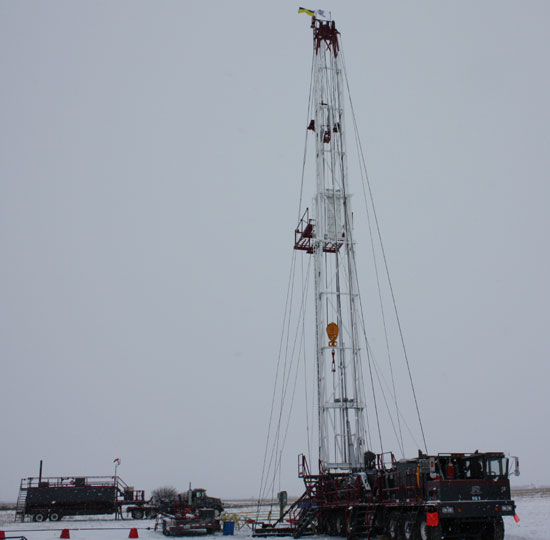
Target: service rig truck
[{"x": 459, "y": 495}]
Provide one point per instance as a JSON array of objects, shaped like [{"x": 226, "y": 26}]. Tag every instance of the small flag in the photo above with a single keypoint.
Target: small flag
[{"x": 309, "y": 12}]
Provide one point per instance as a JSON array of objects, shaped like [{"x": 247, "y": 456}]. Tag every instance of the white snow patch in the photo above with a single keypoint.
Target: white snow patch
[{"x": 534, "y": 513}]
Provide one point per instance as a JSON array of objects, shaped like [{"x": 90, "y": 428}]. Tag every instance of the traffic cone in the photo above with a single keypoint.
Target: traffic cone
[
  {"x": 133, "y": 533},
  {"x": 65, "y": 533}
]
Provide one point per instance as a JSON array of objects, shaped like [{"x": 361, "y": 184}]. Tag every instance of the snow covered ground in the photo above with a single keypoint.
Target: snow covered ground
[
  {"x": 533, "y": 510},
  {"x": 534, "y": 513}
]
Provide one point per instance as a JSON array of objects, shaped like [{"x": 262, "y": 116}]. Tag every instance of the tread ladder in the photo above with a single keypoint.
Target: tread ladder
[
  {"x": 306, "y": 519},
  {"x": 21, "y": 505}
]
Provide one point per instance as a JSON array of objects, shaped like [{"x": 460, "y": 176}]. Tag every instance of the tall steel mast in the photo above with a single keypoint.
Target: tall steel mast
[{"x": 327, "y": 235}]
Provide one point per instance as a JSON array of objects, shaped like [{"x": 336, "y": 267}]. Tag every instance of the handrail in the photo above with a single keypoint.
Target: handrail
[
  {"x": 399, "y": 491},
  {"x": 138, "y": 495},
  {"x": 303, "y": 466},
  {"x": 68, "y": 481}
]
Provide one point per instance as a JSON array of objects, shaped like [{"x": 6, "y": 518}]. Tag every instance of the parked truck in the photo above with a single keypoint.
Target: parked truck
[
  {"x": 197, "y": 499},
  {"x": 189, "y": 501}
]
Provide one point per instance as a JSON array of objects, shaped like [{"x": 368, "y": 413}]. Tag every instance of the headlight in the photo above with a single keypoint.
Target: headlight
[
  {"x": 447, "y": 509},
  {"x": 507, "y": 507}
]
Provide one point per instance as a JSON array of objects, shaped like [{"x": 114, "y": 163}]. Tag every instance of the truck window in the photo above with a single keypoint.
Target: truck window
[
  {"x": 494, "y": 467},
  {"x": 473, "y": 468}
]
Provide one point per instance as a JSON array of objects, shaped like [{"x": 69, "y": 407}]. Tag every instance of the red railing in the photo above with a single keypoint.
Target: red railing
[
  {"x": 398, "y": 486},
  {"x": 125, "y": 493},
  {"x": 303, "y": 467},
  {"x": 304, "y": 233}
]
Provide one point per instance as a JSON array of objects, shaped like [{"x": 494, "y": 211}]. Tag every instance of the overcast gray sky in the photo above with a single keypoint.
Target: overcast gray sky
[{"x": 150, "y": 159}]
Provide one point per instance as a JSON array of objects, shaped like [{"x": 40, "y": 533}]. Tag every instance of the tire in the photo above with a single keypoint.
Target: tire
[
  {"x": 393, "y": 527},
  {"x": 426, "y": 532},
  {"x": 357, "y": 524},
  {"x": 322, "y": 525},
  {"x": 493, "y": 530},
  {"x": 55, "y": 516},
  {"x": 340, "y": 525},
  {"x": 408, "y": 528},
  {"x": 39, "y": 517},
  {"x": 499, "y": 529},
  {"x": 331, "y": 525},
  {"x": 137, "y": 513}
]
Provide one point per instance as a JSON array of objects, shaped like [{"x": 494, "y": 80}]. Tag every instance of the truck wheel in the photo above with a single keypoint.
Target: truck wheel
[
  {"x": 493, "y": 530},
  {"x": 331, "y": 525},
  {"x": 409, "y": 528},
  {"x": 137, "y": 514},
  {"x": 393, "y": 527},
  {"x": 429, "y": 533},
  {"x": 55, "y": 516},
  {"x": 39, "y": 517},
  {"x": 340, "y": 525}
]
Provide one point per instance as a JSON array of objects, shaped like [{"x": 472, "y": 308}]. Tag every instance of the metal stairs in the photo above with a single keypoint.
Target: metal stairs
[
  {"x": 361, "y": 521},
  {"x": 300, "y": 515},
  {"x": 306, "y": 519},
  {"x": 21, "y": 506}
]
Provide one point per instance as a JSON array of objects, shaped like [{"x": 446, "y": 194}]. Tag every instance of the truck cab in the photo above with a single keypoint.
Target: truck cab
[
  {"x": 197, "y": 498},
  {"x": 469, "y": 492}
]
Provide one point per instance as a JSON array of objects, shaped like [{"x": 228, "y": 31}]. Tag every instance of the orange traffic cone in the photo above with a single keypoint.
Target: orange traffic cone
[
  {"x": 65, "y": 533},
  {"x": 133, "y": 533}
]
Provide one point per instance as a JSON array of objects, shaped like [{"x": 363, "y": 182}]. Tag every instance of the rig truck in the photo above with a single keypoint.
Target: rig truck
[{"x": 459, "y": 495}]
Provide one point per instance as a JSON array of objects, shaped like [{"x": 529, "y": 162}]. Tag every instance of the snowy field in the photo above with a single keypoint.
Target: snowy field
[{"x": 533, "y": 510}]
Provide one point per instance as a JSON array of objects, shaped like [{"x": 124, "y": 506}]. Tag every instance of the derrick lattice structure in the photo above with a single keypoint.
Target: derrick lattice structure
[{"x": 326, "y": 233}]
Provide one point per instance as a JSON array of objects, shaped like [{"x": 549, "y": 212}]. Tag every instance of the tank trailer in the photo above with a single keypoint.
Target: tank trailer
[{"x": 53, "y": 498}]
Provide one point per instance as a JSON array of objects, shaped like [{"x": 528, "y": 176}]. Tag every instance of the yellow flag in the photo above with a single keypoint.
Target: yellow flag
[{"x": 309, "y": 12}]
